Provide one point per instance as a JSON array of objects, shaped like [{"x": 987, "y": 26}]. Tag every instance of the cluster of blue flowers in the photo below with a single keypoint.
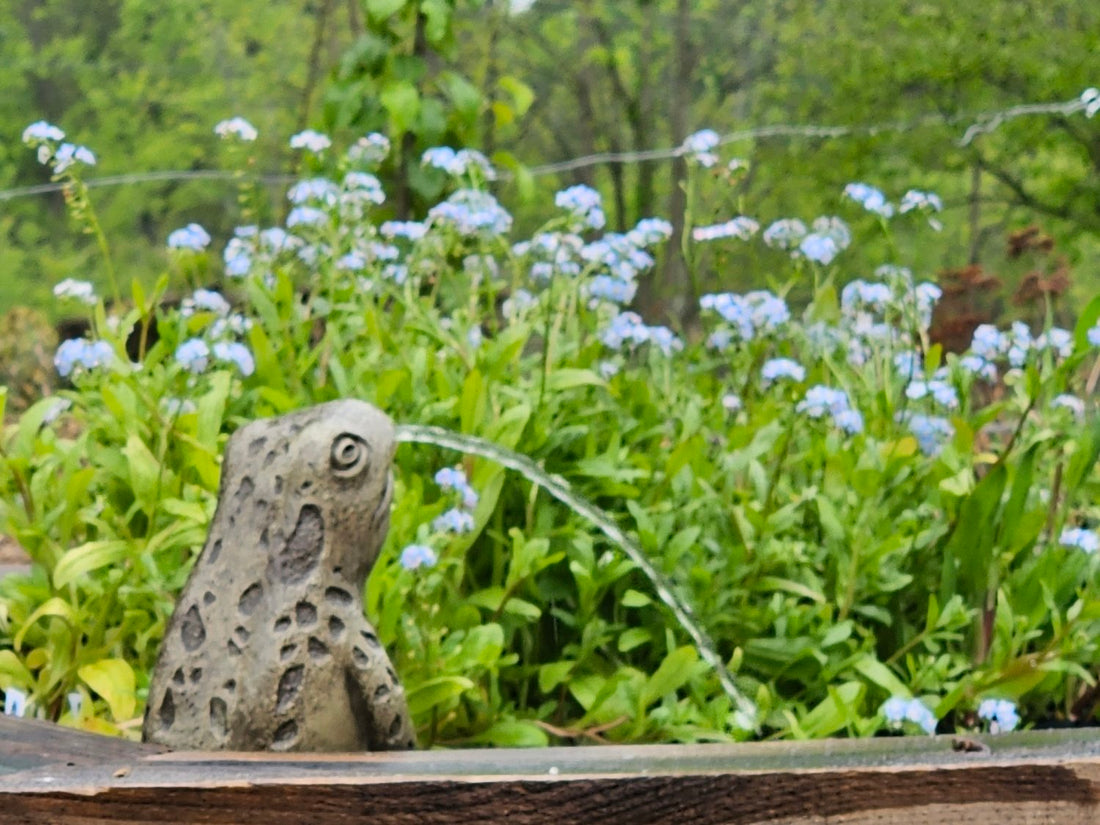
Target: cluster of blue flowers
[
  {"x": 785, "y": 234},
  {"x": 204, "y": 300},
  {"x": 47, "y": 140},
  {"x": 1080, "y": 538},
  {"x": 552, "y": 254},
  {"x": 584, "y": 205},
  {"x": 1000, "y": 713},
  {"x": 939, "y": 391},
  {"x": 81, "y": 291},
  {"x": 897, "y": 711},
  {"x": 931, "y": 431},
  {"x": 821, "y": 401},
  {"x": 866, "y": 296},
  {"x": 471, "y": 212},
  {"x": 409, "y": 230},
  {"x": 870, "y": 199},
  {"x": 458, "y": 519},
  {"x": 252, "y": 249},
  {"x": 739, "y": 227},
  {"x": 777, "y": 368},
  {"x": 759, "y": 312},
  {"x": 191, "y": 237},
  {"x": 310, "y": 141},
  {"x": 458, "y": 163},
  {"x": 830, "y": 237},
  {"x": 623, "y": 256},
  {"x": 78, "y": 354},
  {"x": 216, "y": 343},
  {"x": 236, "y": 128},
  {"x": 878, "y": 319},
  {"x": 319, "y": 190},
  {"x": 699, "y": 147},
  {"x": 990, "y": 345},
  {"x": 369, "y": 150},
  {"x": 417, "y": 555},
  {"x": 874, "y": 201},
  {"x": 628, "y": 329}
]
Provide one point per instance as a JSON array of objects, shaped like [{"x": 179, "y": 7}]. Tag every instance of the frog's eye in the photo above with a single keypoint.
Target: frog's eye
[{"x": 350, "y": 455}]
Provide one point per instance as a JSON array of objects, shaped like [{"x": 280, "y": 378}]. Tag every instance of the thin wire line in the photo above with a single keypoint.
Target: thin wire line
[
  {"x": 142, "y": 177},
  {"x": 981, "y": 124}
]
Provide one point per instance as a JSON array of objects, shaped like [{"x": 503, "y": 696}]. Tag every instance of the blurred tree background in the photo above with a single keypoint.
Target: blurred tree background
[{"x": 535, "y": 83}]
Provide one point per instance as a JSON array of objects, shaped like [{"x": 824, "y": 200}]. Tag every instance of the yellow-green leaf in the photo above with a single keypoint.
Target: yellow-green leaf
[
  {"x": 50, "y": 607},
  {"x": 113, "y": 680},
  {"x": 12, "y": 671},
  {"x": 86, "y": 558},
  {"x": 568, "y": 378}
]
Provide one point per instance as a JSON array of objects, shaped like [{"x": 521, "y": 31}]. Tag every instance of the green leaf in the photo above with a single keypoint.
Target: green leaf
[
  {"x": 464, "y": 96},
  {"x": 522, "y": 95},
  {"x": 379, "y": 10},
  {"x": 960, "y": 484},
  {"x": 483, "y": 645},
  {"x": 768, "y": 583},
  {"x": 30, "y": 422},
  {"x": 673, "y": 673},
  {"x": 633, "y": 637},
  {"x": 568, "y": 378},
  {"x": 840, "y": 632},
  {"x": 51, "y": 607},
  {"x": 471, "y": 405},
  {"x": 436, "y": 692},
  {"x": 513, "y": 733},
  {"x": 1086, "y": 321},
  {"x": 831, "y": 524},
  {"x": 968, "y": 553},
  {"x": 437, "y": 20},
  {"x": 144, "y": 468},
  {"x": 881, "y": 675},
  {"x": 87, "y": 557},
  {"x": 553, "y": 674},
  {"x": 635, "y": 598},
  {"x": 835, "y": 711},
  {"x": 1083, "y": 460},
  {"x": 1014, "y": 509},
  {"x": 112, "y": 679},
  {"x": 507, "y": 429},
  {"x": 211, "y": 410},
  {"x": 13, "y": 671},
  {"x": 402, "y": 101}
]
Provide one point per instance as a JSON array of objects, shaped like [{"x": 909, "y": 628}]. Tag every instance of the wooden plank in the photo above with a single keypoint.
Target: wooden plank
[
  {"x": 1030, "y": 777},
  {"x": 26, "y": 744}
]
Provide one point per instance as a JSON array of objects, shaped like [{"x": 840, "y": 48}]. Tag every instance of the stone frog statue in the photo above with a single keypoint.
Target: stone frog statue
[{"x": 268, "y": 648}]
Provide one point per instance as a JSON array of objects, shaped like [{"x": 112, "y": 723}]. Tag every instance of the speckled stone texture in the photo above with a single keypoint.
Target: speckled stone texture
[{"x": 268, "y": 648}]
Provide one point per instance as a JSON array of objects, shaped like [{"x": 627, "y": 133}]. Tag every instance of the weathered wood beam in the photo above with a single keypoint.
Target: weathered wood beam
[{"x": 51, "y": 775}]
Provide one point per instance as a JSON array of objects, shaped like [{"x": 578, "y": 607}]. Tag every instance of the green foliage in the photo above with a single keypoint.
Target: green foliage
[
  {"x": 148, "y": 80},
  {"x": 863, "y": 524},
  {"x": 395, "y": 79}
]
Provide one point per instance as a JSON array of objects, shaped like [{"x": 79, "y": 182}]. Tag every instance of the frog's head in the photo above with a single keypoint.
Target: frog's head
[{"x": 321, "y": 487}]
